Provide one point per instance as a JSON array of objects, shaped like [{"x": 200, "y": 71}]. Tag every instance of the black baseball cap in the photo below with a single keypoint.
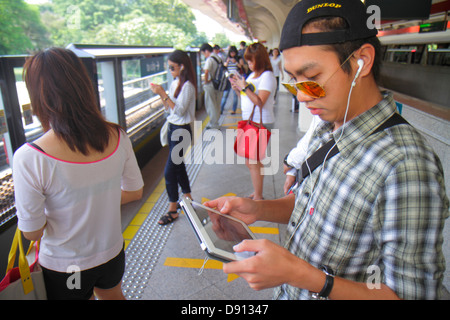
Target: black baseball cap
[{"x": 352, "y": 11}]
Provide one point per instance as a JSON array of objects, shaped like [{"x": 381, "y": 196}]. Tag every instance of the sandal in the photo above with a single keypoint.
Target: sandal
[{"x": 167, "y": 218}]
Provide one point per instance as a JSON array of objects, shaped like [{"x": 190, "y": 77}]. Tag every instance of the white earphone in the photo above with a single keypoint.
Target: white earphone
[
  {"x": 308, "y": 205},
  {"x": 361, "y": 65}
]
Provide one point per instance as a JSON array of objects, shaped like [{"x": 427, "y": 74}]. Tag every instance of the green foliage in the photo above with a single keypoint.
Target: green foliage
[
  {"x": 128, "y": 22},
  {"x": 21, "y": 29},
  {"x": 221, "y": 40}
]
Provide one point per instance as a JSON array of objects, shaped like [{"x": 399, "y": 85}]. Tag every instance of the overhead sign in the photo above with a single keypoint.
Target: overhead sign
[
  {"x": 433, "y": 26},
  {"x": 152, "y": 65}
]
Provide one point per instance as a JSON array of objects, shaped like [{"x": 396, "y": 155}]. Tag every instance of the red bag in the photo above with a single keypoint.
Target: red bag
[{"x": 252, "y": 138}]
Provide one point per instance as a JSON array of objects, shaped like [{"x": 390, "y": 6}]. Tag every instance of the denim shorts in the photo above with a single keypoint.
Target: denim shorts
[{"x": 80, "y": 285}]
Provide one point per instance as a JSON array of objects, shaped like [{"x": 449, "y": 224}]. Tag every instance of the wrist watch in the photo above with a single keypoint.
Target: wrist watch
[
  {"x": 329, "y": 281},
  {"x": 246, "y": 87},
  {"x": 286, "y": 163}
]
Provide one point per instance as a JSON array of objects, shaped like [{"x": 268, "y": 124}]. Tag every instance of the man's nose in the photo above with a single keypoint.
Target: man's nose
[{"x": 303, "y": 97}]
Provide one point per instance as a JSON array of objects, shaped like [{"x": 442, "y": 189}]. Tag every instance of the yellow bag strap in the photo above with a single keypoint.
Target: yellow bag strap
[
  {"x": 12, "y": 251},
  {"x": 32, "y": 243},
  {"x": 24, "y": 268}
]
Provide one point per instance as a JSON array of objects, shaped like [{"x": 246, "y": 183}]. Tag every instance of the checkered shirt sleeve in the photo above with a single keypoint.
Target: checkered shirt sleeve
[{"x": 375, "y": 212}]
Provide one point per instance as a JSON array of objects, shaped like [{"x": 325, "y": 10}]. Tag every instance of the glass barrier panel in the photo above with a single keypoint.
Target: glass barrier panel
[
  {"x": 141, "y": 104},
  {"x": 31, "y": 123},
  {"x": 107, "y": 91},
  {"x": 7, "y": 210}
]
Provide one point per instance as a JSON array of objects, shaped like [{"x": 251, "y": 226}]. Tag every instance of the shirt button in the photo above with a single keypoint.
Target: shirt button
[
  {"x": 293, "y": 223},
  {"x": 307, "y": 194}
]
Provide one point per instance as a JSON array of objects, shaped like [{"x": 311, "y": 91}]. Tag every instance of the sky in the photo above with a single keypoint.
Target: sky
[{"x": 211, "y": 27}]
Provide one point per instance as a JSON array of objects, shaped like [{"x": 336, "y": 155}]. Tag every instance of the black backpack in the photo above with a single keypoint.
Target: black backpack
[{"x": 220, "y": 80}]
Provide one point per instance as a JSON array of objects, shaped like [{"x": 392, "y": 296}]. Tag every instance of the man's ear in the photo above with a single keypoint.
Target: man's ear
[{"x": 367, "y": 54}]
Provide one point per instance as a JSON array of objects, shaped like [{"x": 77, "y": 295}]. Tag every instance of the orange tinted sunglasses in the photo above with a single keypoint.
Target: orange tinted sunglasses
[{"x": 311, "y": 88}]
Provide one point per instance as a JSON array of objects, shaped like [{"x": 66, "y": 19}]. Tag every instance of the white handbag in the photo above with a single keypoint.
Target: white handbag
[{"x": 163, "y": 135}]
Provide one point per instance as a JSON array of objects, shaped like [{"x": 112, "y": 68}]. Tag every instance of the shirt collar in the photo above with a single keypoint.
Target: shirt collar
[{"x": 362, "y": 126}]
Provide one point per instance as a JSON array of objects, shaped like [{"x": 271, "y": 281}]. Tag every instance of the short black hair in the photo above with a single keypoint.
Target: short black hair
[
  {"x": 345, "y": 49},
  {"x": 206, "y": 47}
]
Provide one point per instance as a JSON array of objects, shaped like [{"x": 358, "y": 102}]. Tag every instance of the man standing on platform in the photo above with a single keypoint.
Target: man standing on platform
[
  {"x": 213, "y": 97},
  {"x": 366, "y": 219}
]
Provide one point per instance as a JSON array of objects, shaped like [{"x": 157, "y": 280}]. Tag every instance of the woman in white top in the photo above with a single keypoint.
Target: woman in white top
[
  {"x": 275, "y": 60},
  {"x": 180, "y": 103},
  {"x": 234, "y": 64},
  {"x": 70, "y": 183},
  {"x": 257, "y": 90}
]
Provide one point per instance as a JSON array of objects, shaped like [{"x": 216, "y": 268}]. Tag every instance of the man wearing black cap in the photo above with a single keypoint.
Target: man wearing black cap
[{"x": 366, "y": 220}]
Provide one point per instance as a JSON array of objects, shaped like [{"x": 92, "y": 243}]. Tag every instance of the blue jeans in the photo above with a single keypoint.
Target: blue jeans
[
  {"x": 175, "y": 173},
  {"x": 225, "y": 97}
]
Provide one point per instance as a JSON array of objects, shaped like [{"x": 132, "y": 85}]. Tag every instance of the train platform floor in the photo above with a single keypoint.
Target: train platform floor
[{"x": 166, "y": 262}]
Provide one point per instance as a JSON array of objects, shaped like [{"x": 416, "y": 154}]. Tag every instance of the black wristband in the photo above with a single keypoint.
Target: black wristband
[
  {"x": 329, "y": 281},
  {"x": 286, "y": 163}
]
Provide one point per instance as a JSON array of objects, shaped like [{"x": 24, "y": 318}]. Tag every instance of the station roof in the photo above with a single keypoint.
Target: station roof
[{"x": 263, "y": 20}]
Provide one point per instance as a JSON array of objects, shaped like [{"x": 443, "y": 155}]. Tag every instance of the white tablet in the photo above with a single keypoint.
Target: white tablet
[{"x": 216, "y": 232}]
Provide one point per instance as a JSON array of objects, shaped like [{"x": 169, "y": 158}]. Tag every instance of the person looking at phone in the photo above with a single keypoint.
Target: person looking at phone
[
  {"x": 180, "y": 104},
  {"x": 233, "y": 63},
  {"x": 257, "y": 90},
  {"x": 367, "y": 223},
  {"x": 69, "y": 183}
]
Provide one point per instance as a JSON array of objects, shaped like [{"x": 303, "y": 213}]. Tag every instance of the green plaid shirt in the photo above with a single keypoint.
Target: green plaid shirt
[{"x": 379, "y": 207}]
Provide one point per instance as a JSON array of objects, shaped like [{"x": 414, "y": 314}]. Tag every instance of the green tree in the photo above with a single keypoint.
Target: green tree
[
  {"x": 167, "y": 11},
  {"x": 221, "y": 39},
  {"x": 89, "y": 14},
  {"x": 132, "y": 22},
  {"x": 21, "y": 29}
]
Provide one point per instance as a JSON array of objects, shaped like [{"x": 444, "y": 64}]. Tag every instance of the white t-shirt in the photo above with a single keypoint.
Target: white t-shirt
[
  {"x": 184, "y": 110},
  {"x": 298, "y": 154},
  {"x": 78, "y": 202},
  {"x": 275, "y": 65},
  {"x": 266, "y": 81}
]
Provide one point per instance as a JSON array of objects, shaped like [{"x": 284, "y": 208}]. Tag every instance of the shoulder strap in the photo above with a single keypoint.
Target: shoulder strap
[
  {"x": 318, "y": 157},
  {"x": 394, "y": 120},
  {"x": 36, "y": 146},
  {"x": 215, "y": 59}
]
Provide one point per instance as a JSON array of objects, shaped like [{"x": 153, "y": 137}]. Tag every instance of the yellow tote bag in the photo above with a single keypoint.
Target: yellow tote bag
[{"x": 25, "y": 282}]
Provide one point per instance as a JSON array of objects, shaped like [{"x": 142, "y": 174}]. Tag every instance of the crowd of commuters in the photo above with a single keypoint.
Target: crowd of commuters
[{"x": 379, "y": 200}]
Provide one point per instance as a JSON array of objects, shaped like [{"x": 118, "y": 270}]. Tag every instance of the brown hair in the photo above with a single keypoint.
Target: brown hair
[
  {"x": 257, "y": 53},
  {"x": 62, "y": 97},
  {"x": 187, "y": 74}
]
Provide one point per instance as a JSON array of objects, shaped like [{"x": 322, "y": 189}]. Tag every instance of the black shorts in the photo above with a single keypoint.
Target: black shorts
[{"x": 80, "y": 285}]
